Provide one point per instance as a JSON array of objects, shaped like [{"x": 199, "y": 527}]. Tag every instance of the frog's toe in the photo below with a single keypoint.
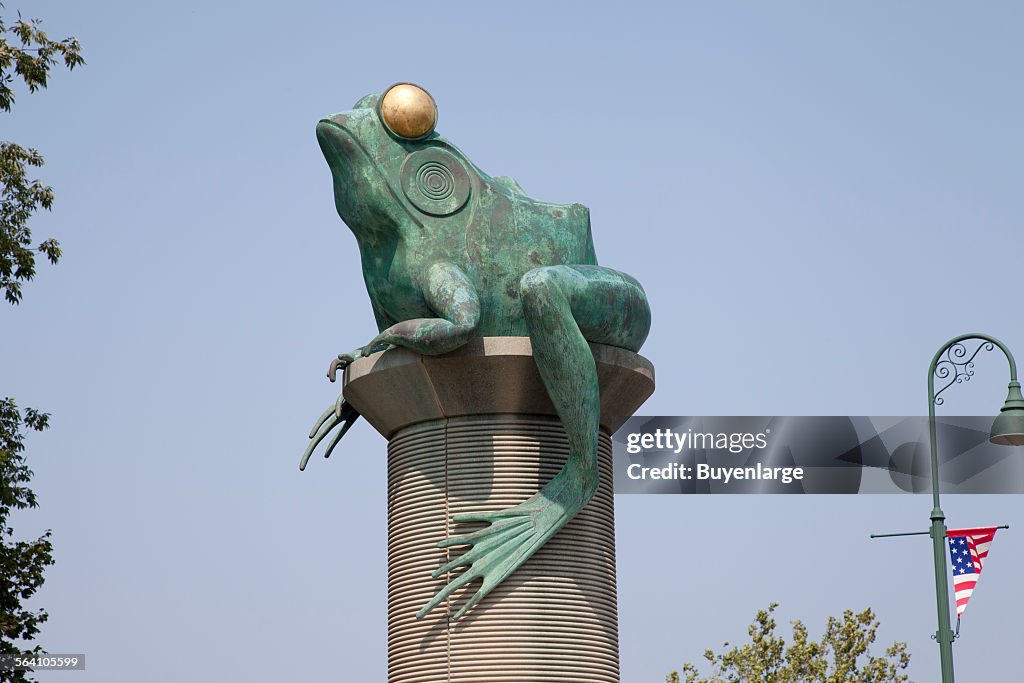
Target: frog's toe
[
  {"x": 327, "y": 422},
  {"x": 341, "y": 362},
  {"x": 471, "y": 538},
  {"x": 340, "y": 413},
  {"x": 443, "y": 594},
  {"x": 490, "y": 517}
]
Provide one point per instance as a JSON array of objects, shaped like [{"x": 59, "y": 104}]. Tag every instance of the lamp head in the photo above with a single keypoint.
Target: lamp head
[{"x": 1008, "y": 427}]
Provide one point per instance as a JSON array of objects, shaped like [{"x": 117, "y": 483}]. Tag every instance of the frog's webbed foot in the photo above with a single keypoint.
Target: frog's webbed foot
[
  {"x": 511, "y": 536},
  {"x": 340, "y": 413}
]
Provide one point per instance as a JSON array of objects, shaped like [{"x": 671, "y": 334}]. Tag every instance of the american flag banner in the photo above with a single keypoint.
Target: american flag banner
[{"x": 968, "y": 549}]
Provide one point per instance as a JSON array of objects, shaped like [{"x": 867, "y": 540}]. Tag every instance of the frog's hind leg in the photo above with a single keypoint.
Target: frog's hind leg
[{"x": 565, "y": 307}]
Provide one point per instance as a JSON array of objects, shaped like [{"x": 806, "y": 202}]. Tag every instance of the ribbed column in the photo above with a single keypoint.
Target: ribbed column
[{"x": 473, "y": 431}]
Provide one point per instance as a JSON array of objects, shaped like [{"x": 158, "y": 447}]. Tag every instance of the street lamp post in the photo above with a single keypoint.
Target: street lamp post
[{"x": 952, "y": 363}]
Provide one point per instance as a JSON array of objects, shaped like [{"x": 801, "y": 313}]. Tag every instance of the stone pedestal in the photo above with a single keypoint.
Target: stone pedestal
[{"x": 471, "y": 431}]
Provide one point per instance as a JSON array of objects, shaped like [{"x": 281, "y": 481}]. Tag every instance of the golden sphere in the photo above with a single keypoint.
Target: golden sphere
[{"x": 408, "y": 111}]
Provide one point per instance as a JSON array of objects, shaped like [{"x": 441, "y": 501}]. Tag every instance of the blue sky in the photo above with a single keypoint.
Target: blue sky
[{"x": 815, "y": 197}]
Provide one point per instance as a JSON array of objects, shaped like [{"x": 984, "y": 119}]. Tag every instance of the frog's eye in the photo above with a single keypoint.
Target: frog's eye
[{"x": 408, "y": 111}]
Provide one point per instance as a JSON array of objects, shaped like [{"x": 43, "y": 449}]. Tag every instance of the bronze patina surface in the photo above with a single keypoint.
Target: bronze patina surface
[{"x": 450, "y": 253}]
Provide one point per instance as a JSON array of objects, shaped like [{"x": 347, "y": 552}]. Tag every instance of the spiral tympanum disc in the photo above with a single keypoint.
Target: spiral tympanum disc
[{"x": 435, "y": 181}]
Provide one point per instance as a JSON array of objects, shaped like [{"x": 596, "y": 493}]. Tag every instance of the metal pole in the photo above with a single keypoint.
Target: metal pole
[
  {"x": 944, "y": 636},
  {"x": 957, "y": 363},
  {"x": 905, "y": 533},
  {"x": 920, "y": 533}
]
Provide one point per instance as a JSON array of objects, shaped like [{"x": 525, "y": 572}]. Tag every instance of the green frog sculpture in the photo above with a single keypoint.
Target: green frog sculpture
[{"x": 449, "y": 253}]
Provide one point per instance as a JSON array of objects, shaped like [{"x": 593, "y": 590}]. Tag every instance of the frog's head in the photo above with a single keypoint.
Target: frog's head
[{"x": 391, "y": 171}]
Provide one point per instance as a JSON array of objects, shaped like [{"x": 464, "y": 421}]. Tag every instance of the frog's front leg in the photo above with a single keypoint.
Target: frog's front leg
[
  {"x": 565, "y": 307},
  {"x": 450, "y": 294}
]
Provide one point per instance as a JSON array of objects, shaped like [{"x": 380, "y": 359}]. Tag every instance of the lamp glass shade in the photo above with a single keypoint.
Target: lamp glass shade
[{"x": 1008, "y": 428}]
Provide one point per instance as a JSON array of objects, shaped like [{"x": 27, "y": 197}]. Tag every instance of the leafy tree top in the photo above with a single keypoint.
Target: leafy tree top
[
  {"x": 841, "y": 656},
  {"x": 26, "y": 53}
]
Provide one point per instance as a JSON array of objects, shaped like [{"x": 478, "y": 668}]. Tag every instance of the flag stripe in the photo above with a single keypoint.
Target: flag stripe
[{"x": 973, "y": 531}]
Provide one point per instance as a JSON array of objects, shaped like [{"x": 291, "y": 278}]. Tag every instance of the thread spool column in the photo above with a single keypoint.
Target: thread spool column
[{"x": 471, "y": 431}]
